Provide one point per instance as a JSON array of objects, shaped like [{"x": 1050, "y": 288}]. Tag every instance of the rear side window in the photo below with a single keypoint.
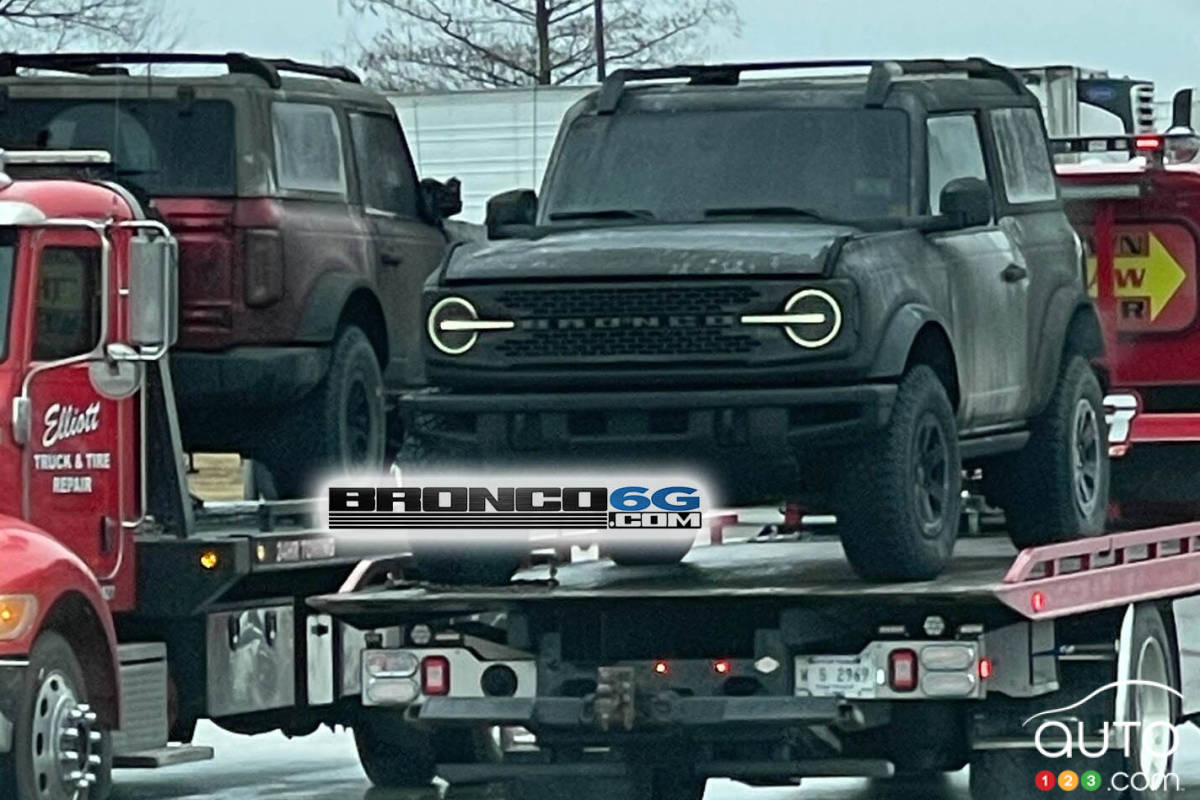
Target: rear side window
[
  {"x": 308, "y": 148},
  {"x": 385, "y": 173},
  {"x": 1024, "y": 160},
  {"x": 68, "y": 306},
  {"x": 954, "y": 152},
  {"x": 157, "y": 146}
]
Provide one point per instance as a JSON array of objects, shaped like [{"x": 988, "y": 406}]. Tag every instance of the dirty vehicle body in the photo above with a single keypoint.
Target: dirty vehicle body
[
  {"x": 1139, "y": 221},
  {"x": 126, "y": 612},
  {"x": 832, "y": 289},
  {"x": 304, "y": 234},
  {"x": 772, "y": 662}
]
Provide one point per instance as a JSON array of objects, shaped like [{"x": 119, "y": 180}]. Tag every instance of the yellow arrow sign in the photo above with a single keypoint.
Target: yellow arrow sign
[{"x": 1153, "y": 273}]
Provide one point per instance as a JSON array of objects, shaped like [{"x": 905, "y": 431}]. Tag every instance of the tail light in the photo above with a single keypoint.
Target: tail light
[
  {"x": 986, "y": 669},
  {"x": 262, "y": 255},
  {"x": 902, "y": 670},
  {"x": 435, "y": 675}
]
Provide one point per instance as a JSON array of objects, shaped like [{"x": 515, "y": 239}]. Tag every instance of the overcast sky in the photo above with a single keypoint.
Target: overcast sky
[{"x": 1155, "y": 40}]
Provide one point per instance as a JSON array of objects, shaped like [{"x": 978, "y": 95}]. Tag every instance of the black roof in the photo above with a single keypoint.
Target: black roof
[
  {"x": 944, "y": 82},
  {"x": 267, "y": 69}
]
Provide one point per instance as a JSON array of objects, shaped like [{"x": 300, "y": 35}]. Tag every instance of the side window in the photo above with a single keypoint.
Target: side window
[
  {"x": 954, "y": 152},
  {"x": 68, "y": 306},
  {"x": 1024, "y": 160},
  {"x": 384, "y": 171},
  {"x": 308, "y": 148}
]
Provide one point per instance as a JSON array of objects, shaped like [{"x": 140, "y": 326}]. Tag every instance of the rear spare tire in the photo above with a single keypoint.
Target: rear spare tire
[
  {"x": 898, "y": 498},
  {"x": 340, "y": 425},
  {"x": 397, "y": 755},
  {"x": 1056, "y": 489}
]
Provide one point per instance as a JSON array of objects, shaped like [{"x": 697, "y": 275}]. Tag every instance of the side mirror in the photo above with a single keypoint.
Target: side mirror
[
  {"x": 511, "y": 213},
  {"x": 442, "y": 200},
  {"x": 153, "y": 298},
  {"x": 967, "y": 202}
]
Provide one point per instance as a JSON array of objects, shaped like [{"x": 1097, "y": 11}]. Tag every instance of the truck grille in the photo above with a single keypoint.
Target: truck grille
[{"x": 628, "y": 322}]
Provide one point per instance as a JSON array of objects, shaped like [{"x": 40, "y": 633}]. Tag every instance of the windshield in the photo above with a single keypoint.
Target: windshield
[
  {"x": 158, "y": 147},
  {"x": 836, "y": 163},
  {"x": 7, "y": 252}
]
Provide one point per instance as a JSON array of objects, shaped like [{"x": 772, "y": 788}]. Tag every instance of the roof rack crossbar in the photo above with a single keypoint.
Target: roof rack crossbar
[
  {"x": 267, "y": 69},
  {"x": 883, "y": 73}
]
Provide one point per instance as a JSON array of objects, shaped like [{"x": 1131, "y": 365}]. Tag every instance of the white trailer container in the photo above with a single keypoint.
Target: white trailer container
[{"x": 491, "y": 139}]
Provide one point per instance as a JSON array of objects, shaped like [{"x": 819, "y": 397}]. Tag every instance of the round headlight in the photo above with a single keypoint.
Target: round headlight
[
  {"x": 816, "y": 318},
  {"x": 445, "y": 335}
]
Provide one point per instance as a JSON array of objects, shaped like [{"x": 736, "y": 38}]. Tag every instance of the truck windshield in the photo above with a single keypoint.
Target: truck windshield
[
  {"x": 7, "y": 252},
  {"x": 155, "y": 145},
  {"x": 846, "y": 164}
]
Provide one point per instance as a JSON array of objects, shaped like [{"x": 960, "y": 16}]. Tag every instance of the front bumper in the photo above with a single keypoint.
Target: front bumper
[
  {"x": 12, "y": 679},
  {"x": 734, "y": 435}
]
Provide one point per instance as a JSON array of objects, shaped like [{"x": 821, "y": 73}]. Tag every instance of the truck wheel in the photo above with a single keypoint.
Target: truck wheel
[
  {"x": 899, "y": 497},
  {"x": 340, "y": 425},
  {"x": 58, "y": 752},
  {"x": 1155, "y": 710},
  {"x": 1056, "y": 489},
  {"x": 397, "y": 755}
]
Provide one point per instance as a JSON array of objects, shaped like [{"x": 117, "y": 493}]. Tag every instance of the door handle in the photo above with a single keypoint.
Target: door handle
[
  {"x": 391, "y": 259},
  {"x": 1013, "y": 273}
]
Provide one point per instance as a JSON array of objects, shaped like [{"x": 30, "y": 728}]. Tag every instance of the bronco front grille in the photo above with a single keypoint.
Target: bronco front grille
[{"x": 634, "y": 322}]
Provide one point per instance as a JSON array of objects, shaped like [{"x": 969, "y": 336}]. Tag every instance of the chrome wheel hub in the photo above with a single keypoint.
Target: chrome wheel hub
[{"x": 65, "y": 746}]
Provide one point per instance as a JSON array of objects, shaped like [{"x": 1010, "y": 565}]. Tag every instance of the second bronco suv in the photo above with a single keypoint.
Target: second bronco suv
[
  {"x": 304, "y": 236},
  {"x": 841, "y": 290}
]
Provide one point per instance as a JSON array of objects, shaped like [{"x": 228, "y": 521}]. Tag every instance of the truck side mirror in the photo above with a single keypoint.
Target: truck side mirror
[
  {"x": 153, "y": 299},
  {"x": 442, "y": 200},
  {"x": 967, "y": 202},
  {"x": 511, "y": 213}
]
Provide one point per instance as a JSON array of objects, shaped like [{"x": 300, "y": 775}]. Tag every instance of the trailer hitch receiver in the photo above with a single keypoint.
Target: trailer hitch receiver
[{"x": 613, "y": 701}]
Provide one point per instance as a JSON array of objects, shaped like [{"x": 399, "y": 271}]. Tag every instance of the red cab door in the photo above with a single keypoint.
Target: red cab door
[{"x": 80, "y": 472}]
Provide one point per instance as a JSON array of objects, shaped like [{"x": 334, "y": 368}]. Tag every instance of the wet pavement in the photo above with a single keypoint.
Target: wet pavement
[{"x": 324, "y": 767}]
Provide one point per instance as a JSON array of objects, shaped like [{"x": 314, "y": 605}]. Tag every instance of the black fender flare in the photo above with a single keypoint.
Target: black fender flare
[
  {"x": 1068, "y": 306},
  {"x": 324, "y": 305},
  {"x": 898, "y": 336}
]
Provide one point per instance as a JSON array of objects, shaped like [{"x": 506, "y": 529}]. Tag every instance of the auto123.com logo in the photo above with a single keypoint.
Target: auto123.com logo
[{"x": 1147, "y": 745}]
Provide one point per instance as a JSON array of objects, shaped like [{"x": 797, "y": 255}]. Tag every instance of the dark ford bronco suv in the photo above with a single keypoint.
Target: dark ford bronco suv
[
  {"x": 305, "y": 237},
  {"x": 843, "y": 290}
]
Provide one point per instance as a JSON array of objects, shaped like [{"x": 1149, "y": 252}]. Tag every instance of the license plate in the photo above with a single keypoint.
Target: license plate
[{"x": 835, "y": 676}]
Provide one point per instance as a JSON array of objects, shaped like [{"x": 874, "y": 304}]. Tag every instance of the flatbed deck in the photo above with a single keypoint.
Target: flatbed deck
[{"x": 1038, "y": 583}]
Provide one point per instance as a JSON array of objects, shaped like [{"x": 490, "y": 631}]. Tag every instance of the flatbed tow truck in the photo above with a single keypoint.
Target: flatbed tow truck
[
  {"x": 771, "y": 662},
  {"x": 129, "y": 610}
]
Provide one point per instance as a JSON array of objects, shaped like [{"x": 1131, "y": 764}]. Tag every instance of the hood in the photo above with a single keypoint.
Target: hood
[{"x": 647, "y": 250}]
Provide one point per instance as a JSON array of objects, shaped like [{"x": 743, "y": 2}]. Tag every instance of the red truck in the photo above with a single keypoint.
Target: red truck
[
  {"x": 1139, "y": 220},
  {"x": 127, "y": 610}
]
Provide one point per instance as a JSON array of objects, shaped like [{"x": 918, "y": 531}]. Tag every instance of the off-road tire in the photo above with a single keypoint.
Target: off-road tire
[
  {"x": 878, "y": 509},
  {"x": 340, "y": 425},
  {"x": 1037, "y": 486},
  {"x": 396, "y": 755},
  {"x": 20, "y": 777}
]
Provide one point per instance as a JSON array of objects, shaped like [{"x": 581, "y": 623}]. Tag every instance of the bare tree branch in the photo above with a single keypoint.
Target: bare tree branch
[
  {"x": 457, "y": 44},
  {"x": 100, "y": 24}
]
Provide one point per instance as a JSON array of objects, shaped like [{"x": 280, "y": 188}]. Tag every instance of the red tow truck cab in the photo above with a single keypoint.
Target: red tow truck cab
[
  {"x": 1139, "y": 221},
  {"x": 126, "y": 605}
]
